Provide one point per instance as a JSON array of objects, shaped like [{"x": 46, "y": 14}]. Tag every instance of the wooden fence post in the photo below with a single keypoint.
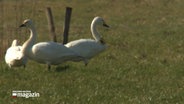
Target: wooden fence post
[
  {"x": 2, "y": 46},
  {"x": 67, "y": 24},
  {"x": 51, "y": 24}
]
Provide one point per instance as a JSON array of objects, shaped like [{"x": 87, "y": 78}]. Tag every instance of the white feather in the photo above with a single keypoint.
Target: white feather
[
  {"x": 89, "y": 48},
  {"x": 14, "y": 56},
  {"x": 49, "y": 53},
  {"x": 53, "y": 53}
]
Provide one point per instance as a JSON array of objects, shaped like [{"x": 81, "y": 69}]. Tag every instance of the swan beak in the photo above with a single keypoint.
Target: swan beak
[
  {"x": 23, "y": 25},
  {"x": 106, "y": 25}
]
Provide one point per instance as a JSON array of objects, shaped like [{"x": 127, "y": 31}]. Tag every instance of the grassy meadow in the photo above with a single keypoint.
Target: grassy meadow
[{"x": 144, "y": 62}]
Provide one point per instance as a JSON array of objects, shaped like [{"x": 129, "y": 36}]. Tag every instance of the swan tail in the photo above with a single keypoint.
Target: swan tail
[{"x": 14, "y": 43}]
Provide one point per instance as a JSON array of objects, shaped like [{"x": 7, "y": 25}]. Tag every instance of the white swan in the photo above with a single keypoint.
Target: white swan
[
  {"x": 14, "y": 56},
  {"x": 89, "y": 48},
  {"x": 49, "y": 53}
]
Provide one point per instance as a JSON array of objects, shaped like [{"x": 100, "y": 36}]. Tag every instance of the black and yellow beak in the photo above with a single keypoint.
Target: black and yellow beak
[
  {"x": 23, "y": 25},
  {"x": 105, "y": 25}
]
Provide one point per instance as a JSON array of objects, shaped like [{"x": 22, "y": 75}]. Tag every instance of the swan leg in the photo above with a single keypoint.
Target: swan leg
[
  {"x": 24, "y": 66},
  {"x": 9, "y": 65},
  {"x": 66, "y": 66},
  {"x": 85, "y": 62},
  {"x": 48, "y": 67}
]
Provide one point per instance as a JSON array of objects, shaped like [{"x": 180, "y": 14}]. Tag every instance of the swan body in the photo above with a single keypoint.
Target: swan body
[
  {"x": 49, "y": 53},
  {"x": 14, "y": 56},
  {"x": 52, "y": 53},
  {"x": 89, "y": 48}
]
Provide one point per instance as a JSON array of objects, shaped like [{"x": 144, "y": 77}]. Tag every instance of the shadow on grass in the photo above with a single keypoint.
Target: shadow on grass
[{"x": 62, "y": 68}]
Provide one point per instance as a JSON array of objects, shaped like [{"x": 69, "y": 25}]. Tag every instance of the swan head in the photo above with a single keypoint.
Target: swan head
[
  {"x": 99, "y": 21},
  {"x": 27, "y": 23}
]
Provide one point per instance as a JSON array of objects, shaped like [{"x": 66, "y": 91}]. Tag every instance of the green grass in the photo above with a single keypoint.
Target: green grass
[{"x": 142, "y": 65}]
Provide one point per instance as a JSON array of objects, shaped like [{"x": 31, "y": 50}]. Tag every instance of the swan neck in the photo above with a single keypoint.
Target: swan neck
[
  {"x": 27, "y": 46},
  {"x": 95, "y": 32}
]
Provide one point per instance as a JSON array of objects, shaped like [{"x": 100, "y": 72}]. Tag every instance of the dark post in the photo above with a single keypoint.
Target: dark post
[
  {"x": 67, "y": 24},
  {"x": 51, "y": 24},
  {"x": 2, "y": 47}
]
